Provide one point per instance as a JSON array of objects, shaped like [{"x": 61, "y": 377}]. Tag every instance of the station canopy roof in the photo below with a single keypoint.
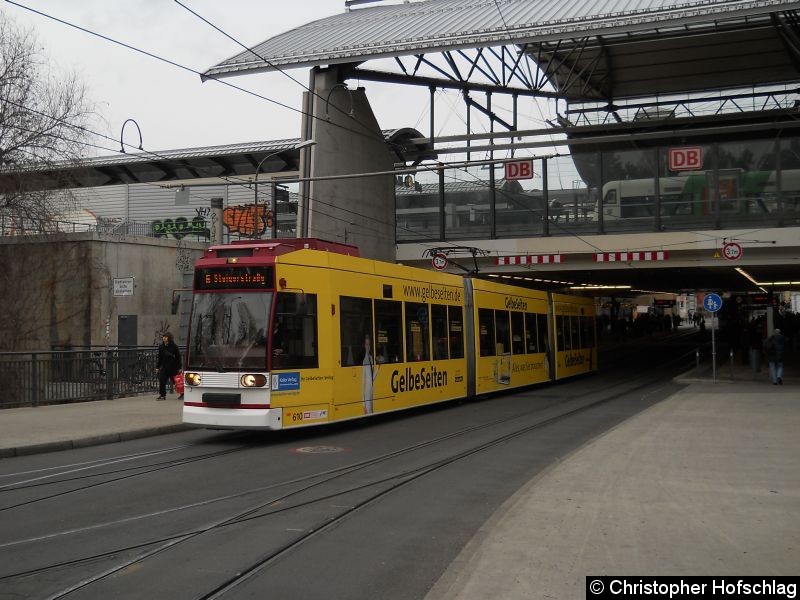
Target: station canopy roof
[
  {"x": 581, "y": 50},
  {"x": 232, "y": 163}
]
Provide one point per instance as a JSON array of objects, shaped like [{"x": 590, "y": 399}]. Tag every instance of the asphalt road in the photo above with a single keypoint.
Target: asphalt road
[{"x": 374, "y": 509}]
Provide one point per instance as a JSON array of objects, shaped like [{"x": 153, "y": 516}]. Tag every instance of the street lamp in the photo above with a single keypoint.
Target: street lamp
[{"x": 256, "y": 228}]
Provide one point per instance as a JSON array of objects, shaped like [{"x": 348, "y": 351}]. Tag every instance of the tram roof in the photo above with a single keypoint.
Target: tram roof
[{"x": 703, "y": 44}]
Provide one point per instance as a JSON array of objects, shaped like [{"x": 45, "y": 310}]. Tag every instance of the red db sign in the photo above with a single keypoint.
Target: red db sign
[
  {"x": 686, "y": 159},
  {"x": 519, "y": 169}
]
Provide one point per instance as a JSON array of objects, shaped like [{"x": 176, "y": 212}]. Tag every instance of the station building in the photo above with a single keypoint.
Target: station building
[{"x": 676, "y": 125}]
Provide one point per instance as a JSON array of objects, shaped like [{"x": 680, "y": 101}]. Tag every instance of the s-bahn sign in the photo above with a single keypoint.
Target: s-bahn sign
[{"x": 686, "y": 159}]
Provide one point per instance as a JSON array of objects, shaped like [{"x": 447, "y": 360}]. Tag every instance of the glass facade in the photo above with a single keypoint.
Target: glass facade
[{"x": 686, "y": 186}]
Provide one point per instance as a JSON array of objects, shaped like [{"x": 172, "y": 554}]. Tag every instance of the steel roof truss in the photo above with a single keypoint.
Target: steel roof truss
[
  {"x": 517, "y": 70},
  {"x": 474, "y": 63},
  {"x": 492, "y": 116},
  {"x": 786, "y": 25},
  {"x": 565, "y": 62},
  {"x": 685, "y": 104},
  {"x": 451, "y": 61},
  {"x": 436, "y": 68},
  {"x": 400, "y": 64},
  {"x": 509, "y": 61},
  {"x": 491, "y": 76},
  {"x": 511, "y": 71}
]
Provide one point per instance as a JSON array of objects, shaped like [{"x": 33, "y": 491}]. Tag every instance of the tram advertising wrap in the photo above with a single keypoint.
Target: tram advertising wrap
[{"x": 290, "y": 333}]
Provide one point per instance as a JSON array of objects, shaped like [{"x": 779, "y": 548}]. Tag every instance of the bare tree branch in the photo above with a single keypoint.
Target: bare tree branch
[{"x": 44, "y": 122}]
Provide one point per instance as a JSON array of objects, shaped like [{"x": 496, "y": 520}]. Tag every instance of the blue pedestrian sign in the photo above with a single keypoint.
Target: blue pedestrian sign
[{"x": 712, "y": 302}]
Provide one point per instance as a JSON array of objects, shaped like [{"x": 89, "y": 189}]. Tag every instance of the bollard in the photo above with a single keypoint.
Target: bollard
[{"x": 697, "y": 359}]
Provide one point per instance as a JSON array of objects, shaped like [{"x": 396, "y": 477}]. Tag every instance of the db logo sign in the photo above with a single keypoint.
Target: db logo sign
[
  {"x": 686, "y": 159},
  {"x": 519, "y": 169},
  {"x": 439, "y": 261}
]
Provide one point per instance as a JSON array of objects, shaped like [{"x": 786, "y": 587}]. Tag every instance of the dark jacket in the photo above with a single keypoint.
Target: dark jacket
[
  {"x": 775, "y": 347},
  {"x": 169, "y": 358}
]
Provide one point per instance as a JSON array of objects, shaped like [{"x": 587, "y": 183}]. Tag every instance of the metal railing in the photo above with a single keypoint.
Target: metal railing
[{"x": 57, "y": 377}]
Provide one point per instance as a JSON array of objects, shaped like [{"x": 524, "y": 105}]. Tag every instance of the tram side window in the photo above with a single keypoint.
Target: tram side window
[
  {"x": 517, "y": 333},
  {"x": 531, "y": 335},
  {"x": 294, "y": 341},
  {"x": 486, "y": 331},
  {"x": 543, "y": 332},
  {"x": 418, "y": 339},
  {"x": 439, "y": 331},
  {"x": 561, "y": 331},
  {"x": 502, "y": 331},
  {"x": 388, "y": 331},
  {"x": 456, "y": 331},
  {"x": 575, "y": 333},
  {"x": 355, "y": 322},
  {"x": 587, "y": 332}
]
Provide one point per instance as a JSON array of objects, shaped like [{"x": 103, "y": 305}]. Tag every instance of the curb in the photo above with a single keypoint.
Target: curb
[{"x": 95, "y": 440}]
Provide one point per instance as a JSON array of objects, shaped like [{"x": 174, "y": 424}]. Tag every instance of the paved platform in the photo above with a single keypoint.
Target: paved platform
[
  {"x": 64, "y": 426},
  {"x": 706, "y": 482}
]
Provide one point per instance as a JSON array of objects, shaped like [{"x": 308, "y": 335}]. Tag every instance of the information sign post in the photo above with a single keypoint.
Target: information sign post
[{"x": 712, "y": 303}]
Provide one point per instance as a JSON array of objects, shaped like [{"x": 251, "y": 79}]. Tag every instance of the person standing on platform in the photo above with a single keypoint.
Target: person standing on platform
[
  {"x": 775, "y": 348},
  {"x": 169, "y": 363}
]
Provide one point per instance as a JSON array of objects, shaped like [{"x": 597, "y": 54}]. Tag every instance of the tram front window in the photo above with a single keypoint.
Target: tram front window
[{"x": 228, "y": 331}]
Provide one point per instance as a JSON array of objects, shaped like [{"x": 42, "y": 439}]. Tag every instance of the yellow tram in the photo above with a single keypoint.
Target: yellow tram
[{"x": 289, "y": 333}]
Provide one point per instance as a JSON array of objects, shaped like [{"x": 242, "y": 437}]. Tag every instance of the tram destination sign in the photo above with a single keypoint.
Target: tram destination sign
[{"x": 234, "y": 278}]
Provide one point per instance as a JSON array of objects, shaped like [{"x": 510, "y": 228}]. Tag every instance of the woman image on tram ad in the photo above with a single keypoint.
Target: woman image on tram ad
[
  {"x": 368, "y": 374},
  {"x": 169, "y": 364}
]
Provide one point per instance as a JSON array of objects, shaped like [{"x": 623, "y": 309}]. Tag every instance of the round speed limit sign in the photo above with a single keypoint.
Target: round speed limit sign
[
  {"x": 732, "y": 251},
  {"x": 439, "y": 261}
]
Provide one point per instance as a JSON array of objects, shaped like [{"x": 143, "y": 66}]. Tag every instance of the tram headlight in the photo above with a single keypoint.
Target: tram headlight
[
  {"x": 193, "y": 379},
  {"x": 253, "y": 380}
]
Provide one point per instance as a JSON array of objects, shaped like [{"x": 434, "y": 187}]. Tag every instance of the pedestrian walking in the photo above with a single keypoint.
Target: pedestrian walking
[
  {"x": 775, "y": 348},
  {"x": 169, "y": 364}
]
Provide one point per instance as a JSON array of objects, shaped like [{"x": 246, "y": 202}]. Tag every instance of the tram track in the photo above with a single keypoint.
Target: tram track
[{"x": 314, "y": 492}]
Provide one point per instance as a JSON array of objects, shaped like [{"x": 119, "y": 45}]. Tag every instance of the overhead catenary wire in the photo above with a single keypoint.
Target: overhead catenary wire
[
  {"x": 194, "y": 71},
  {"x": 184, "y": 67}
]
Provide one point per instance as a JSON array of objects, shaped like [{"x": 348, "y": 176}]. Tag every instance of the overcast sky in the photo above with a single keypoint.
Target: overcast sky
[{"x": 173, "y": 108}]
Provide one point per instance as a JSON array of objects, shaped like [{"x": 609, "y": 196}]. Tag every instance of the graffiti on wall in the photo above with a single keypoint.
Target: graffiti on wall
[
  {"x": 180, "y": 227},
  {"x": 247, "y": 220}
]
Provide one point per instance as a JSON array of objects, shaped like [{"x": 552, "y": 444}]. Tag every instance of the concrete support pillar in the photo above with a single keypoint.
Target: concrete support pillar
[
  {"x": 216, "y": 221},
  {"x": 358, "y": 210}
]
